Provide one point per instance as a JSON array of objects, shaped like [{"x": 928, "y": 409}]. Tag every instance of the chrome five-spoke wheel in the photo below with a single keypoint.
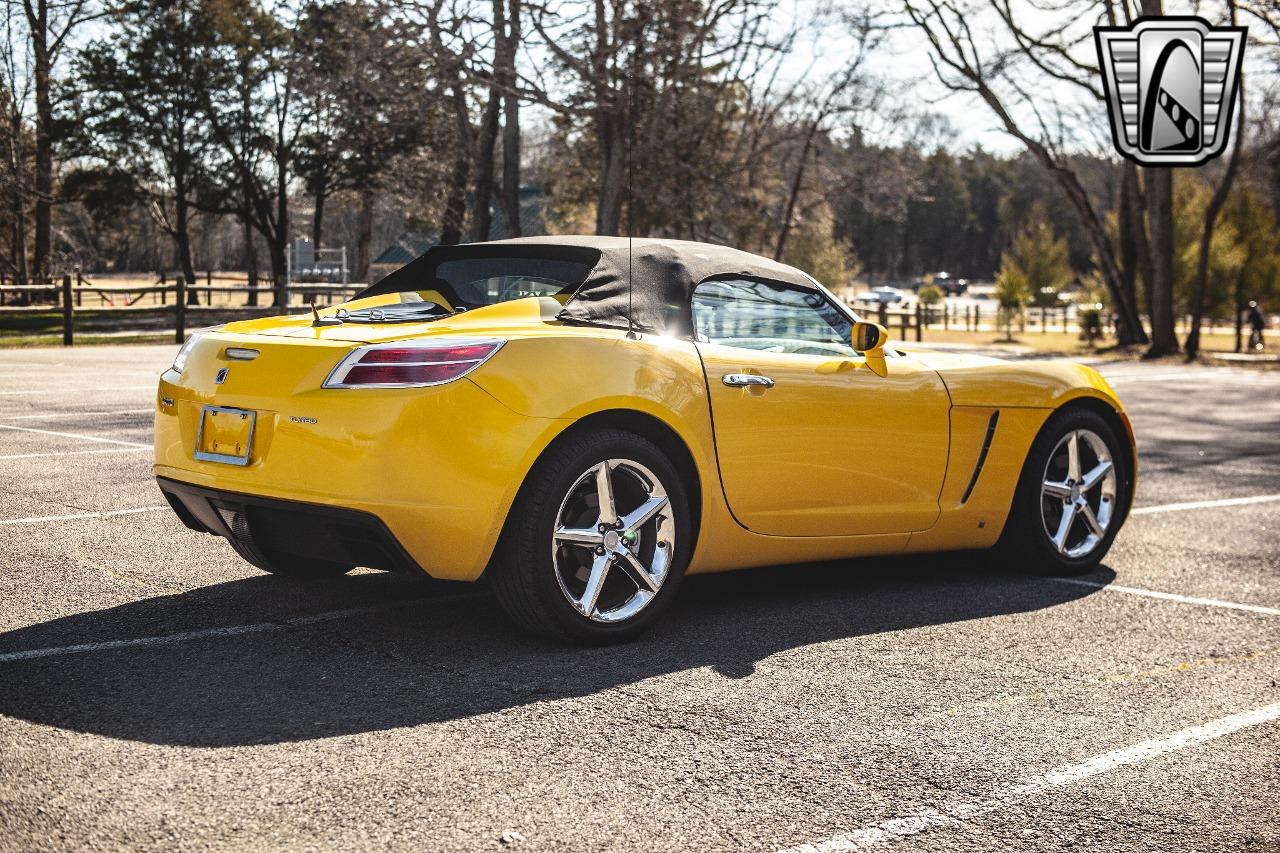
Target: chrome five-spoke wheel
[
  {"x": 1078, "y": 493},
  {"x": 597, "y": 540},
  {"x": 613, "y": 541}
]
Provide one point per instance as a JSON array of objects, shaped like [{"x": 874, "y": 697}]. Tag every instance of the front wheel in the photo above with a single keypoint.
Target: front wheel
[
  {"x": 597, "y": 540},
  {"x": 1071, "y": 498}
]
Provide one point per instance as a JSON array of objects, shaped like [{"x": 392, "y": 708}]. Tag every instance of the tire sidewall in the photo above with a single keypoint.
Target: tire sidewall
[
  {"x": 559, "y": 473},
  {"x": 1027, "y": 540}
]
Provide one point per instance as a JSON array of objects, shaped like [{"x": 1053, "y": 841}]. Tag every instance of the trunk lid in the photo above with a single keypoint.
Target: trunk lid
[{"x": 489, "y": 319}]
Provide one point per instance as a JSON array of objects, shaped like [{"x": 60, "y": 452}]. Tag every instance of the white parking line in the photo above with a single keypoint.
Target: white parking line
[
  {"x": 64, "y": 390},
  {"x": 1169, "y": 596},
  {"x": 51, "y": 415},
  {"x": 77, "y": 516},
  {"x": 953, "y": 812},
  {"x": 230, "y": 631},
  {"x": 1256, "y": 499},
  {"x": 76, "y": 435},
  {"x": 74, "y": 453}
]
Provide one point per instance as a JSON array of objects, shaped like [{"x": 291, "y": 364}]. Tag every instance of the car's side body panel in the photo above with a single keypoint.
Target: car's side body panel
[
  {"x": 663, "y": 378},
  {"x": 831, "y": 448},
  {"x": 976, "y": 500},
  {"x": 1024, "y": 394},
  {"x": 979, "y": 381}
]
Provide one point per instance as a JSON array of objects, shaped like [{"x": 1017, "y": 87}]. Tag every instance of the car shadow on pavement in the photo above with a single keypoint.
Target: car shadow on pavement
[{"x": 427, "y": 652}]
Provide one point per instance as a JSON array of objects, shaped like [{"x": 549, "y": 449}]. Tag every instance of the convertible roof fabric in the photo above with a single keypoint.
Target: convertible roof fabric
[{"x": 662, "y": 273}]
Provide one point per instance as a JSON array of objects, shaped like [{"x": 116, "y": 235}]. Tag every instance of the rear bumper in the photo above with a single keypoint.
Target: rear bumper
[{"x": 289, "y": 527}]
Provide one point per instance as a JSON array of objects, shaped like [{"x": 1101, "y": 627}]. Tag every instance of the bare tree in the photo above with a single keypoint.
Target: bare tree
[
  {"x": 49, "y": 25},
  {"x": 962, "y": 64},
  {"x": 144, "y": 112},
  {"x": 506, "y": 48},
  {"x": 487, "y": 134},
  {"x": 845, "y": 90},
  {"x": 257, "y": 122},
  {"x": 17, "y": 180}
]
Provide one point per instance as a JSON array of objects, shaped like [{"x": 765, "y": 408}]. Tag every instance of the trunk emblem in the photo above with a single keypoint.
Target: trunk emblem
[{"x": 221, "y": 376}]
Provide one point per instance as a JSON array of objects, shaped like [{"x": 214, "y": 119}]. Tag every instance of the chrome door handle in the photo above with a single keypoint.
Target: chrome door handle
[{"x": 744, "y": 380}]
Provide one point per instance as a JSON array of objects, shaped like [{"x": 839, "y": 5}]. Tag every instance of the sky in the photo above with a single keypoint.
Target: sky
[{"x": 904, "y": 63}]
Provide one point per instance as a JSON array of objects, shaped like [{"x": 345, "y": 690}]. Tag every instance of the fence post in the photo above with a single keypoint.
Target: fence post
[
  {"x": 79, "y": 284},
  {"x": 180, "y": 310},
  {"x": 919, "y": 324},
  {"x": 946, "y": 316},
  {"x": 68, "y": 333},
  {"x": 884, "y": 315}
]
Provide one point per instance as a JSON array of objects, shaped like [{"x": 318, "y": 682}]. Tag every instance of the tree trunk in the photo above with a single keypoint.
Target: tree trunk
[
  {"x": 182, "y": 235},
  {"x": 39, "y": 27},
  {"x": 317, "y": 220},
  {"x": 455, "y": 205},
  {"x": 280, "y": 241},
  {"x": 792, "y": 196},
  {"x": 1216, "y": 202},
  {"x": 251, "y": 263},
  {"x": 365, "y": 238},
  {"x": 17, "y": 157},
  {"x": 1138, "y": 231},
  {"x": 278, "y": 247},
  {"x": 1125, "y": 238},
  {"x": 1164, "y": 338},
  {"x": 613, "y": 163},
  {"x": 511, "y": 131},
  {"x": 482, "y": 213}
]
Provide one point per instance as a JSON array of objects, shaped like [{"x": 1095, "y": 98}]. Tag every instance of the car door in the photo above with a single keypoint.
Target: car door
[{"x": 811, "y": 441}]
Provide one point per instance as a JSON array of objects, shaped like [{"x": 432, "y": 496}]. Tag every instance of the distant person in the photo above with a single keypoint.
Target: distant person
[{"x": 1256, "y": 324}]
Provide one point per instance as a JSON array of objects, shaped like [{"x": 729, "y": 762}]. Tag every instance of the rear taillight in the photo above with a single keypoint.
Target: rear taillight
[{"x": 410, "y": 364}]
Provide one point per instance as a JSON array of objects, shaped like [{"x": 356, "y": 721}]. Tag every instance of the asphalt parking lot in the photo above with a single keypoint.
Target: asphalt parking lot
[{"x": 158, "y": 693}]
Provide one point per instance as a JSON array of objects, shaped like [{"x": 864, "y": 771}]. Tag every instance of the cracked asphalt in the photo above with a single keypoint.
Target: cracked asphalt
[{"x": 158, "y": 693}]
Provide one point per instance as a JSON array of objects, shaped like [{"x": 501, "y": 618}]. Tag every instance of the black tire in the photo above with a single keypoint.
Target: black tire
[
  {"x": 523, "y": 573},
  {"x": 1026, "y": 544}
]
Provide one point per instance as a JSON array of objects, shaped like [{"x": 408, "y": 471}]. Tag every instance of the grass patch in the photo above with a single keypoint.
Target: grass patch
[{"x": 10, "y": 340}]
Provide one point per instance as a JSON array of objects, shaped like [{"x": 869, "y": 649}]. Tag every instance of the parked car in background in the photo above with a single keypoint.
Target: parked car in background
[
  {"x": 950, "y": 285},
  {"x": 886, "y": 295}
]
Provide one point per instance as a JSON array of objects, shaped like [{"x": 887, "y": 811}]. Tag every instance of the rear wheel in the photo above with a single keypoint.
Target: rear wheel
[
  {"x": 1071, "y": 499},
  {"x": 597, "y": 540}
]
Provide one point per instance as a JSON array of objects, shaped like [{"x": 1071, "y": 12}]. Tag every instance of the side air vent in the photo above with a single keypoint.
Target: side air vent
[{"x": 982, "y": 455}]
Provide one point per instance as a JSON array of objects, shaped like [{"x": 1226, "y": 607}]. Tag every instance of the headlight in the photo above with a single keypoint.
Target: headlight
[{"x": 180, "y": 360}]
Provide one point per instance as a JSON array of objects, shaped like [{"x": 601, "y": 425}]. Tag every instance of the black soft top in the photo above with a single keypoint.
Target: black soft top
[{"x": 662, "y": 274}]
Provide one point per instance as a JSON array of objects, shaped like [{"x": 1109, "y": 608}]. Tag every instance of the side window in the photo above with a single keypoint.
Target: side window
[{"x": 769, "y": 317}]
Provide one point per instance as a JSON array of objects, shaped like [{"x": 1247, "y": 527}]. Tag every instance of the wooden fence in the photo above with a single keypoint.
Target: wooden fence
[
  {"x": 73, "y": 291},
  {"x": 910, "y": 320}
]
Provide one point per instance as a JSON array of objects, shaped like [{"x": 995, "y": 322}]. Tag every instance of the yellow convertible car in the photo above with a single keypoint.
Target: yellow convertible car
[{"x": 582, "y": 421}]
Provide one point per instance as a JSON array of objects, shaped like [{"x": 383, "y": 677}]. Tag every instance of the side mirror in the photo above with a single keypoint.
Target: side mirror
[{"x": 870, "y": 338}]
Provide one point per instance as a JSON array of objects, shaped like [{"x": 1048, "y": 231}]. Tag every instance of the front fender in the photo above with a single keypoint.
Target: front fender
[{"x": 978, "y": 381}]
